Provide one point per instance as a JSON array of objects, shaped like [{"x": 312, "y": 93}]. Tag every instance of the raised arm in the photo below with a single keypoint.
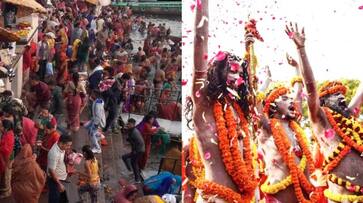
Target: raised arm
[
  {"x": 200, "y": 49},
  {"x": 357, "y": 101},
  {"x": 297, "y": 86},
  {"x": 306, "y": 71}
]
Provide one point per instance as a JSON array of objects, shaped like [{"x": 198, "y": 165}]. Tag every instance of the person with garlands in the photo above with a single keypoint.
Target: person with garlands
[
  {"x": 285, "y": 147},
  {"x": 222, "y": 153},
  {"x": 338, "y": 132}
]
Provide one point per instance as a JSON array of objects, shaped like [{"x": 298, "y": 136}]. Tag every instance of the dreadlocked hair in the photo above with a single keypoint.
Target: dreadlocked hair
[
  {"x": 188, "y": 112},
  {"x": 216, "y": 84}
]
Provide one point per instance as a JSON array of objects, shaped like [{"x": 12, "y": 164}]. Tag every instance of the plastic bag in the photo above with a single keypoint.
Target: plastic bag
[{"x": 49, "y": 69}]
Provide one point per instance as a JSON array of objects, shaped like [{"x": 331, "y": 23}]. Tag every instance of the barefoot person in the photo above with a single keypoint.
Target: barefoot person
[{"x": 337, "y": 131}]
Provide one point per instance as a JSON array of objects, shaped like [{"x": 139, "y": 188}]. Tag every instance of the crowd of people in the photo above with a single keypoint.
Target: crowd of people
[{"x": 85, "y": 71}]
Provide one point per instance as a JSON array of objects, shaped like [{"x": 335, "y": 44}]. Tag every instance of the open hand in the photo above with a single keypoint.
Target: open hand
[
  {"x": 249, "y": 39},
  {"x": 291, "y": 61},
  {"x": 295, "y": 35}
]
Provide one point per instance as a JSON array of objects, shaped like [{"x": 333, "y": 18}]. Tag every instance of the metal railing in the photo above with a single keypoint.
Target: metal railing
[{"x": 152, "y": 101}]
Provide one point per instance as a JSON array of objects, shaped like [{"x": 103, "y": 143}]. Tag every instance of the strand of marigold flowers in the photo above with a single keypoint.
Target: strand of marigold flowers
[
  {"x": 194, "y": 156},
  {"x": 331, "y": 165},
  {"x": 238, "y": 173},
  {"x": 221, "y": 191},
  {"x": 247, "y": 151},
  {"x": 223, "y": 141},
  {"x": 246, "y": 140},
  {"x": 246, "y": 179},
  {"x": 234, "y": 147},
  {"x": 303, "y": 142},
  {"x": 197, "y": 165},
  {"x": 208, "y": 187},
  {"x": 336, "y": 128},
  {"x": 283, "y": 144}
]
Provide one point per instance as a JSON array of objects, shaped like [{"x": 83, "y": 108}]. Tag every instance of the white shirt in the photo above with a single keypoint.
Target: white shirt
[
  {"x": 56, "y": 162},
  {"x": 100, "y": 23}
]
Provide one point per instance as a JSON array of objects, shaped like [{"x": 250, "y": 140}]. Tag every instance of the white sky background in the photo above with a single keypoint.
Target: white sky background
[{"x": 334, "y": 35}]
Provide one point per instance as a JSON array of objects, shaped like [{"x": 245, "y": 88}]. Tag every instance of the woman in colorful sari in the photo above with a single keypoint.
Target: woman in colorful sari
[
  {"x": 74, "y": 93},
  {"x": 63, "y": 75},
  {"x": 63, "y": 37},
  {"x": 50, "y": 138},
  {"x": 28, "y": 179},
  {"x": 6, "y": 157},
  {"x": 148, "y": 130}
]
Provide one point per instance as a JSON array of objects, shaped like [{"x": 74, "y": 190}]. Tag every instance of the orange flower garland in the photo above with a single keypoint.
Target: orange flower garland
[
  {"x": 332, "y": 88},
  {"x": 303, "y": 142},
  {"x": 236, "y": 167},
  {"x": 242, "y": 177},
  {"x": 247, "y": 152},
  {"x": 339, "y": 131},
  {"x": 194, "y": 156},
  {"x": 221, "y": 191},
  {"x": 240, "y": 170},
  {"x": 276, "y": 93},
  {"x": 209, "y": 188},
  {"x": 331, "y": 165},
  {"x": 223, "y": 140},
  {"x": 283, "y": 145}
]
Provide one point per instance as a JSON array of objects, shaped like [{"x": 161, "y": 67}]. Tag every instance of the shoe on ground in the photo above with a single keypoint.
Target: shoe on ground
[{"x": 96, "y": 151}]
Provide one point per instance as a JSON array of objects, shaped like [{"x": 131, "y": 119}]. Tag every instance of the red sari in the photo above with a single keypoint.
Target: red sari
[
  {"x": 6, "y": 148},
  {"x": 74, "y": 105},
  {"x": 48, "y": 141},
  {"x": 147, "y": 132}
]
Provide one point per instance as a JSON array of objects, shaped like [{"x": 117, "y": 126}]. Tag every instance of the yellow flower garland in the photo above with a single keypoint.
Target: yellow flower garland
[
  {"x": 296, "y": 79},
  {"x": 340, "y": 198},
  {"x": 283, "y": 184}
]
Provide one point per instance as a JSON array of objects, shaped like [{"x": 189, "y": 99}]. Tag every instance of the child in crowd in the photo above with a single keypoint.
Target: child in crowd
[
  {"x": 97, "y": 122},
  {"x": 90, "y": 179}
]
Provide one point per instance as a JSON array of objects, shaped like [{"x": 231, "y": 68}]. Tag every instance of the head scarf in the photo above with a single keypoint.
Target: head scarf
[{"x": 27, "y": 179}]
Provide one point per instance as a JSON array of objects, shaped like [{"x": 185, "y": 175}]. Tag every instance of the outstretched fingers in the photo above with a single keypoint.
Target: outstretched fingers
[{"x": 288, "y": 31}]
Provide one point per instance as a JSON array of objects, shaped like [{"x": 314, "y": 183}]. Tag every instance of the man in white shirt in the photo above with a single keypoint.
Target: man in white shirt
[{"x": 56, "y": 170}]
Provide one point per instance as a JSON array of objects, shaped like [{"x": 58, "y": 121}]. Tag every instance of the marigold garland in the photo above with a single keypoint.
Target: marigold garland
[
  {"x": 283, "y": 145},
  {"x": 239, "y": 168},
  {"x": 236, "y": 167},
  {"x": 210, "y": 188},
  {"x": 283, "y": 184},
  {"x": 247, "y": 155},
  {"x": 340, "y": 198},
  {"x": 244, "y": 176},
  {"x": 347, "y": 138},
  {"x": 303, "y": 142},
  {"x": 332, "y": 88},
  {"x": 334, "y": 163},
  {"x": 196, "y": 163},
  {"x": 274, "y": 94},
  {"x": 345, "y": 183},
  {"x": 296, "y": 79},
  {"x": 195, "y": 160}
]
